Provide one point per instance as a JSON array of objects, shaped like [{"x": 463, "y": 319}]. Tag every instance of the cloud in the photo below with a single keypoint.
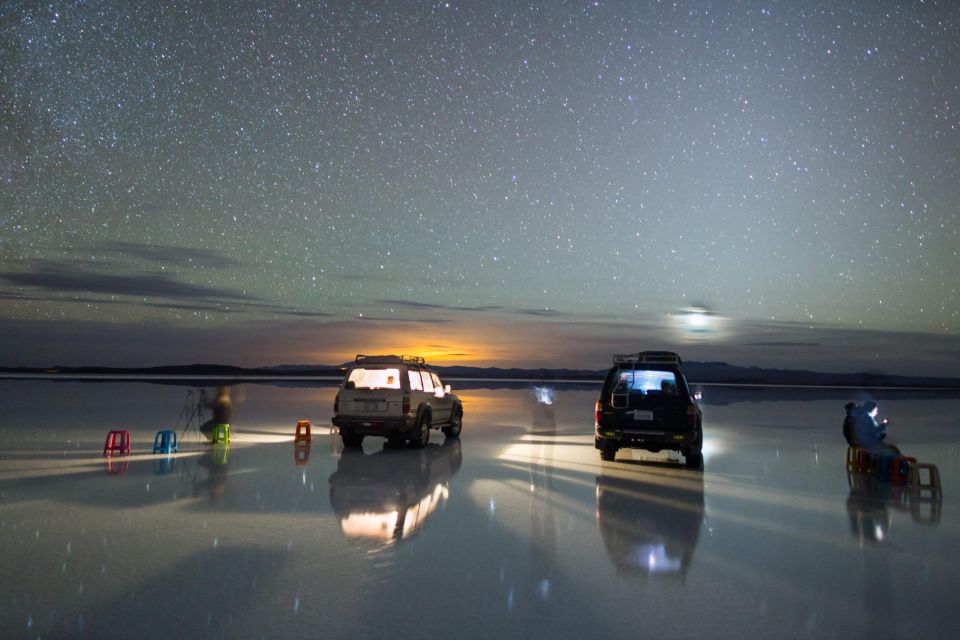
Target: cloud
[
  {"x": 64, "y": 277},
  {"x": 781, "y": 344},
  {"x": 406, "y": 304},
  {"x": 166, "y": 254},
  {"x": 490, "y": 308}
]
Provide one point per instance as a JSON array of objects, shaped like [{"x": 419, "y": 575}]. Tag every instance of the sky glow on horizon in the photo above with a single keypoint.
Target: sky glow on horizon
[{"x": 765, "y": 183}]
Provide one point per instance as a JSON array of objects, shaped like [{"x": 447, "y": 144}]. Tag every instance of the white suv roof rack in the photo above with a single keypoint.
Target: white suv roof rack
[
  {"x": 401, "y": 359},
  {"x": 647, "y": 357}
]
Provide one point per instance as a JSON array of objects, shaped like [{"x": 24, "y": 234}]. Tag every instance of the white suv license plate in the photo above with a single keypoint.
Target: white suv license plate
[
  {"x": 372, "y": 405},
  {"x": 642, "y": 415}
]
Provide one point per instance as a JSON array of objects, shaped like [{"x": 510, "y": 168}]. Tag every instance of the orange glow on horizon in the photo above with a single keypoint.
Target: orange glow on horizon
[{"x": 476, "y": 345}]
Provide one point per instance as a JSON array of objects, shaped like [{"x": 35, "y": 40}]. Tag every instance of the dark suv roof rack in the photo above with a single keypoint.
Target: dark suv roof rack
[
  {"x": 647, "y": 357},
  {"x": 401, "y": 359}
]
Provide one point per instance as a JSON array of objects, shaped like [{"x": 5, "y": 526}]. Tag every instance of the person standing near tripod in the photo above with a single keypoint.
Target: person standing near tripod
[{"x": 222, "y": 410}]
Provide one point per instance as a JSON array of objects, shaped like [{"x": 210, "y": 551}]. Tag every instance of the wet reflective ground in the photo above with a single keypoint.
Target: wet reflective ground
[{"x": 514, "y": 530}]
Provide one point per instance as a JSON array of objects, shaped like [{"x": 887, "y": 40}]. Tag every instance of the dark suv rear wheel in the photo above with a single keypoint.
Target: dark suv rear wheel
[{"x": 608, "y": 453}]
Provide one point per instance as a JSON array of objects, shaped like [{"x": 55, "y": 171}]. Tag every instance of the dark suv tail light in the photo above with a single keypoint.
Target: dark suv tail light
[
  {"x": 336, "y": 404},
  {"x": 406, "y": 404},
  {"x": 691, "y": 416},
  {"x": 597, "y": 412}
]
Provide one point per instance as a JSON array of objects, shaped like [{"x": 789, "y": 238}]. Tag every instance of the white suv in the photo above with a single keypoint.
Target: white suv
[{"x": 396, "y": 397}]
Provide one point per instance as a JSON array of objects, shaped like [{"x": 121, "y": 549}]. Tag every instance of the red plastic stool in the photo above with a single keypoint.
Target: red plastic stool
[
  {"x": 900, "y": 469},
  {"x": 117, "y": 441},
  {"x": 303, "y": 431}
]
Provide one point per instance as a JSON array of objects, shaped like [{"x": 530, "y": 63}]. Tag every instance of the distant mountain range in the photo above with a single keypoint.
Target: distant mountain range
[{"x": 699, "y": 372}]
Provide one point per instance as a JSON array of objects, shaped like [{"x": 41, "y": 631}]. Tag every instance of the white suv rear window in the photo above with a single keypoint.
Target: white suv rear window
[{"x": 375, "y": 378}]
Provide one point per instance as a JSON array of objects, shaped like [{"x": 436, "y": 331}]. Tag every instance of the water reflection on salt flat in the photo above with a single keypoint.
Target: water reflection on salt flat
[{"x": 516, "y": 529}]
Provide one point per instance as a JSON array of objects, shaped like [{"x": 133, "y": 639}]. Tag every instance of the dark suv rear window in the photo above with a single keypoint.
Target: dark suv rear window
[{"x": 643, "y": 382}]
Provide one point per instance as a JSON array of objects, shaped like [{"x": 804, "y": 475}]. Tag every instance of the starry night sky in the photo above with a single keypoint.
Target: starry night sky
[{"x": 534, "y": 184}]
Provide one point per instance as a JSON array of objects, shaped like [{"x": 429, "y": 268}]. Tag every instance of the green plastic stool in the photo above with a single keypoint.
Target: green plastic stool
[{"x": 221, "y": 433}]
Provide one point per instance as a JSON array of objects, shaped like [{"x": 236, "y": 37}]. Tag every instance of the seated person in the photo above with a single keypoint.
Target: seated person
[
  {"x": 850, "y": 423},
  {"x": 869, "y": 433}
]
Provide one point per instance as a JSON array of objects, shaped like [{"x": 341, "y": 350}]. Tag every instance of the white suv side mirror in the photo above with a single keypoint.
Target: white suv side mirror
[{"x": 446, "y": 388}]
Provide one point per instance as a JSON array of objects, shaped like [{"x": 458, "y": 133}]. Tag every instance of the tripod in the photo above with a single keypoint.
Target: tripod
[{"x": 192, "y": 408}]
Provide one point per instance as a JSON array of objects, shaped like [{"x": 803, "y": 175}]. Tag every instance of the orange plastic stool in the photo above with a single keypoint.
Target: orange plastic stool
[
  {"x": 117, "y": 441},
  {"x": 863, "y": 460},
  {"x": 303, "y": 431}
]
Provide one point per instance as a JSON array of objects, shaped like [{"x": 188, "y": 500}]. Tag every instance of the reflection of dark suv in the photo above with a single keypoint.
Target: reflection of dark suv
[
  {"x": 396, "y": 397},
  {"x": 650, "y": 523},
  {"x": 646, "y": 403}
]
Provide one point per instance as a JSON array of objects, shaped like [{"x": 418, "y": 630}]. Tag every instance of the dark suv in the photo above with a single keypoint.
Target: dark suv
[{"x": 646, "y": 403}]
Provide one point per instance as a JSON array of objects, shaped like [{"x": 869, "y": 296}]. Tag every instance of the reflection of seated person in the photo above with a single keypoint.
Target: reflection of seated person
[
  {"x": 222, "y": 411},
  {"x": 216, "y": 479},
  {"x": 867, "y": 509},
  {"x": 667, "y": 388}
]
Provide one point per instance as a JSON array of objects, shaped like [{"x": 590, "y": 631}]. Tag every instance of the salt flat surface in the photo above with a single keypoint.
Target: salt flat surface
[{"x": 514, "y": 530}]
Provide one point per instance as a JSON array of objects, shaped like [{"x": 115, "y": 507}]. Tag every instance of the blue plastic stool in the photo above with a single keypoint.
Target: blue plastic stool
[
  {"x": 885, "y": 464},
  {"x": 165, "y": 442}
]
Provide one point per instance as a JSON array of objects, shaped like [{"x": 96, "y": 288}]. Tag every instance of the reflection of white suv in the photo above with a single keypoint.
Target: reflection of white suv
[{"x": 396, "y": 397}]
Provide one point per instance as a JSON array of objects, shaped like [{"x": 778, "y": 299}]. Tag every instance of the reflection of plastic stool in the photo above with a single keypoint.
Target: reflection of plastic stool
[
  {"x": 221, "y": 453},
  {"x": 933, "y": 475},
  {"x": 165, "y": 442},
  {"x": 117, "y": 467},
  {"x": 900, "y": 469},
  {"x": 117, "y": 441},
  {"x": 336, "y": 443},
  {"x": 303, "y": 431},
  {"x": 221, "y": 433},
  {"x": 301, "y": 453},
  {"x": 917, "y": 505},
  {"x": 863, "y": 460},
  {"x": 163, "y": 466}
]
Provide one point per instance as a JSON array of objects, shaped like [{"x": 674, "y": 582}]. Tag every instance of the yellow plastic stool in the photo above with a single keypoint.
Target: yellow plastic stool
[
  {"x": 221, "y": 433},
  {"x": 852, "y": 458}
]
